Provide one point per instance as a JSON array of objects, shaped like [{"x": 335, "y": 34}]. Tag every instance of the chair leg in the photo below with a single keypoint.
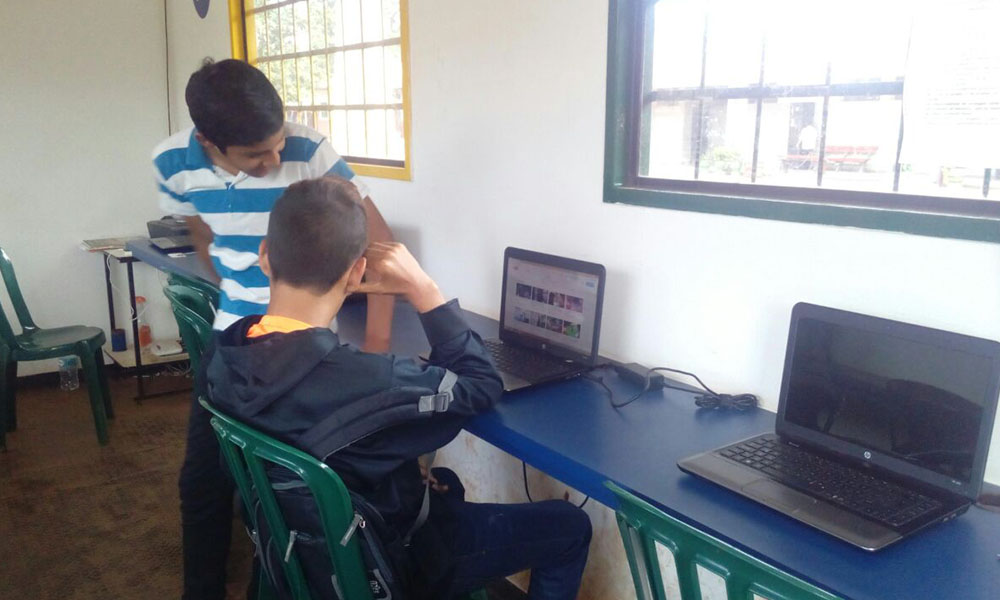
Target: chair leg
[
  {"x": 94, "y": 390},
  {"x": 102, "y": 373},
  {"x": 5, "y": 391},
  {"x": 10, "y": 391}
]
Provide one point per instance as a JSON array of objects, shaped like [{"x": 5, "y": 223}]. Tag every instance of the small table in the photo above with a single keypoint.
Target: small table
[{"x": 131, "y": 358}]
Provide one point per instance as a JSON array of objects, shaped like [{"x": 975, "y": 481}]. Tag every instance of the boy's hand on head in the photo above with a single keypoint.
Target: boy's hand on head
[{"x": 393, "y": 270}]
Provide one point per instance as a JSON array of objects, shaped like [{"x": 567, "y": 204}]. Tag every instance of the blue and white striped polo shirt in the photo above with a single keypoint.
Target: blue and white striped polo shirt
[{"x": 237, "y": 207}]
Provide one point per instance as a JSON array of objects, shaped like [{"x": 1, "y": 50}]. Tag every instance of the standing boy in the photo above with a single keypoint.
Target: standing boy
[{"x": 223, "y": 175}]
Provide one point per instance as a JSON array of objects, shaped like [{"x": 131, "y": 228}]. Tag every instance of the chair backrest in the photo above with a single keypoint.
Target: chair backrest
[
  {"x": 209, "y": 291},
  {"x": 16, "y": 299},
  {"x": 246, "y": 451},
  {"x": 644, "y": 528},
  {"x": 194, "y": 320}
]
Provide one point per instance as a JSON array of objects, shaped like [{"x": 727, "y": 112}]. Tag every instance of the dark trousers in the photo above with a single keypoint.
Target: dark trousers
[
  {"x": 496, "y": 540},
  {"x": 206, "y": 491}
]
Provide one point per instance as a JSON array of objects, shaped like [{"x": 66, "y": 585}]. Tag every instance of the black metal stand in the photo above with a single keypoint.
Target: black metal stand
[{"x": 140, "y": 369}]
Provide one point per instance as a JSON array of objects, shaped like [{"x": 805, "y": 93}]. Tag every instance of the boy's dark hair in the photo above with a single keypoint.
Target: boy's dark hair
[
  {"x": 233, "y": 104},
  {"x": 316, "y": 231}
]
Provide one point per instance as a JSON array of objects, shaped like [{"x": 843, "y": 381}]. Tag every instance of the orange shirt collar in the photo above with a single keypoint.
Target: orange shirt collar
[{"x": 275, "y": 324}]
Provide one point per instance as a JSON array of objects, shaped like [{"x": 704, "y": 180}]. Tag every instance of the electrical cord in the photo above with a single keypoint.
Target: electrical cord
[
  {"x": 135, "y": 317},
  {"x": 524, "y": 473},
  {"x": 710, "y": 400}
]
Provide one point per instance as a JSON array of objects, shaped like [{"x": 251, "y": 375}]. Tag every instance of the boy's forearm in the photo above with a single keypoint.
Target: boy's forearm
[
  {"x": 378, "y": 325},
  {"x": 201, "y": 239}
]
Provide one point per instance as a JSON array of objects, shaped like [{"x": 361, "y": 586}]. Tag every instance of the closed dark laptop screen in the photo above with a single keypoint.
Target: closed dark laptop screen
[{"x": 915, "y": 401}]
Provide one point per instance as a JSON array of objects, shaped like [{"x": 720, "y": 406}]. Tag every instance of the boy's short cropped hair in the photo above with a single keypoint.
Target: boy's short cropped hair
[
  {"x": 316, "y": 232},
  {"x": 233, "y": 104}
]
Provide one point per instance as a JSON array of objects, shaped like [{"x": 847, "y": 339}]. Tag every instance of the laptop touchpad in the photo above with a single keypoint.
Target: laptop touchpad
[{"x": 777, "y": 495}]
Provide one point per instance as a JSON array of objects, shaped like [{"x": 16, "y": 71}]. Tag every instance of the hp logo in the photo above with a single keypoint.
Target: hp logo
[{"x": 868, "y": 455}]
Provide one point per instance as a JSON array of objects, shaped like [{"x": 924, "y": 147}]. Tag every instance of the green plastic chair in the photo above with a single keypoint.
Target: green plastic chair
[
  {"x": 246, "y": 451},
  {"x": 208, "y": 290},
  {"x": 194, "y": 316},
  {"x": 36, "y": 343},
  {"x": 643, "y": 527}
]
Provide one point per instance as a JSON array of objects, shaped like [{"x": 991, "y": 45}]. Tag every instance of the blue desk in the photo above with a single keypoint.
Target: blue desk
[
  {"x": 188, "y": 265},
  {"x": 570, "y": 431}
]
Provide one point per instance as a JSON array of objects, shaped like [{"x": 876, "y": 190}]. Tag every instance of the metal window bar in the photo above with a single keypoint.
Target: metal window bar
[
  {"x": 699, "y": 128},
  {"x": 347, "y": 115},
  {"x": 268, "y": 7},
  {"x": 897, "y": 168},
  {"x": 295, "y": 61},
  {"x": 267, "y": 35},
  {"x": 389, "y": 106},
  {"x": 331, "y": 49},
  {"x": 821, "y": 157},
  {"x": 759, "y": 114},
  {"x": 364, "y": 83},
  {"x": 385, "y": 95}
]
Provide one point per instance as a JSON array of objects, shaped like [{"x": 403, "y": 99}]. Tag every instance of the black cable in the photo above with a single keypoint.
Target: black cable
[
  {"x": 737, "y": 401},
  {"x": 710, "y": 400},
  {"x": 524, "y": 473}
]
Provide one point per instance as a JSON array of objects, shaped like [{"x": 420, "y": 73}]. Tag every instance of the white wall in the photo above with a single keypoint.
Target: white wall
[
  {"x": 82, "y": 102},
  {"x": 508, "y": 149},
  {"x": 190, "y": 40}
]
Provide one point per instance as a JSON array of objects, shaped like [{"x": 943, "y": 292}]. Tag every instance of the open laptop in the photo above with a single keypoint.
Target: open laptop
[
  {"x": 883, "y": 428},
  {"x": 550, "y": 318}
]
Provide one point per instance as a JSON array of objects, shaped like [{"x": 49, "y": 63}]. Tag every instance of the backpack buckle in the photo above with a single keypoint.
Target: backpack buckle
[
  {"x": 435, "y": 403},
  {"x": 358, "y": 521}
]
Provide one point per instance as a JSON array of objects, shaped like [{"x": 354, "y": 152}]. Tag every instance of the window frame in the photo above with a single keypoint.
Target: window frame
[
  {"x": 956, "y": 218},
  {"x": 241, "y": 29}
]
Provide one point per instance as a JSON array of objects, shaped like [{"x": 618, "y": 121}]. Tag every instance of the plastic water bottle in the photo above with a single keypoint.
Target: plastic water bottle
[
  {"x": 145, "y": 332},
  {"x": 69, "y": 378}
]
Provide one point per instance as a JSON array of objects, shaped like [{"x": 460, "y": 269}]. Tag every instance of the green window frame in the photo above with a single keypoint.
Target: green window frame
[{"x": 629, "y": 32}]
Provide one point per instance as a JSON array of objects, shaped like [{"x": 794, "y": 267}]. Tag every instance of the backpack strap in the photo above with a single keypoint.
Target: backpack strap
[
  {"x": 361, "y": 418},
  {"x": 425, "y": 511},
  {"x": 440, "y": 401}
]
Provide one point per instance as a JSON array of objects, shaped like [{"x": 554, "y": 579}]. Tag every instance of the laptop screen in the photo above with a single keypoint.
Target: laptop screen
[
  {"x": 910, "y": 393},
  {"x": 556, "y": 306}
]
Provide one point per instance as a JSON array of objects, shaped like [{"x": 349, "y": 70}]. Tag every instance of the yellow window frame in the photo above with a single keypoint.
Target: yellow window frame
[{"x": 241, "y": 29}]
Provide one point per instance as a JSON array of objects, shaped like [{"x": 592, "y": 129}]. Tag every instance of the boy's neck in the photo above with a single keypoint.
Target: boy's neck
[{"x": 303, "y": 305}]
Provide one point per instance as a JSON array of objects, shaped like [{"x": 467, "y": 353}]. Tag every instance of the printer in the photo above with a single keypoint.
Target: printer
[{"x": 169, "y": 226}]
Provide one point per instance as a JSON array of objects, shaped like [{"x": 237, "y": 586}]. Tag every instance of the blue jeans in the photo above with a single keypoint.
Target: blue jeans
[
  {"x": 496, "y": 540},
  {"x": 206, "y": 491}
]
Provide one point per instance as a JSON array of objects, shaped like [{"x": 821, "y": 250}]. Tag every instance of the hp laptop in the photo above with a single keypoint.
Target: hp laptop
[
  {"x": 883, "y": 428},
  {"x": 550, "y": 318}
]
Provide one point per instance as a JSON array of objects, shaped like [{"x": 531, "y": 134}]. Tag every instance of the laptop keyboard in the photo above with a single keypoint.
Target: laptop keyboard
[
  {"x": 527, "y": 364},
  {"x": 853, "y": 489}
]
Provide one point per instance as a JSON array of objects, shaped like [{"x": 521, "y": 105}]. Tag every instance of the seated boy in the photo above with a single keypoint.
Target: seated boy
[{"x": 285, "y": 372}]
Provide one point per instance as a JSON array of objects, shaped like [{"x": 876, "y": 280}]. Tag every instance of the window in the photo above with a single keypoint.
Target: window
[
  {"x": 340, "y": 67},
  {"x": 795, "y": 110}
]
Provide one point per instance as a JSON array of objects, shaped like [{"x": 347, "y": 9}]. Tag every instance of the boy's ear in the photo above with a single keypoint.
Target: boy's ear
[
  {"x": 203, "y": 141},
  {"x": 265, "y": 264},
  {"x": 356, "y": 273}
]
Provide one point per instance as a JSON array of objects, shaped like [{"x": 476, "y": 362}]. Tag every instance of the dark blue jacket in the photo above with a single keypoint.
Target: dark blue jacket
[{"x": 306, "y": 388}]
